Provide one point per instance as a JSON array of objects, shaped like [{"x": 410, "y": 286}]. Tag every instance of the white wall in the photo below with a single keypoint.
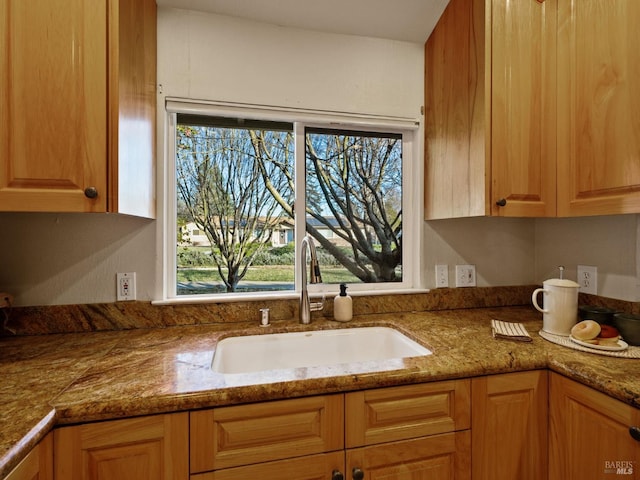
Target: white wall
[
  {"x": 610, "y": 243},
  {"x": 59, "y": 259},
  {"x": 214, "y": 57},
  {"x": 502, "y": 249},
  {"x": 73, "y": 258}
]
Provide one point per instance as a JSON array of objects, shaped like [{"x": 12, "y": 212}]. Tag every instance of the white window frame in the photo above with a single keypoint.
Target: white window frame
[{"x": 411, "y": 193}]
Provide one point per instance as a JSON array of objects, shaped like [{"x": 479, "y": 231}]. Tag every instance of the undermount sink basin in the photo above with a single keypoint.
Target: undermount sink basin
[{"x": 255, "y": 353}]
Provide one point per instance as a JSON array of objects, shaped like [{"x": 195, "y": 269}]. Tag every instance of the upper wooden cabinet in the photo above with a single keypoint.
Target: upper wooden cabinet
[
  {"x": 598, "y": 107},
  {"x": 490, "y": 110},
  {"x": 531, "y": 109},
  {"x": 77, "y": 81}
]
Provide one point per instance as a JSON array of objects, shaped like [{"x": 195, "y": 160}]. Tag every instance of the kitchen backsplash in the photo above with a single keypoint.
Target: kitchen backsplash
[{"x": 41, "y": 320}]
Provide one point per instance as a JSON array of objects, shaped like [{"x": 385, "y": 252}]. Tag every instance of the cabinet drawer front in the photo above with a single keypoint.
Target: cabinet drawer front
[
  {"x": 246, "y": 434},
  {"x": 398, "y": 413},
  {"x": 314, "y": 467},
  {"x": 445, "y": 456}
]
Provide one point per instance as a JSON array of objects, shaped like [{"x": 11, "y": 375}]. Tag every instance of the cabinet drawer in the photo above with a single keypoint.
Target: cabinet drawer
[
  {"x": 445, "y": 456},
  {"x": 246, "y": 434},
  {"x": 398, "y": 413}
]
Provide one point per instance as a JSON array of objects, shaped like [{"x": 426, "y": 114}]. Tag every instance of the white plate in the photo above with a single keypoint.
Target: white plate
[{"x": 622, "y": 345}]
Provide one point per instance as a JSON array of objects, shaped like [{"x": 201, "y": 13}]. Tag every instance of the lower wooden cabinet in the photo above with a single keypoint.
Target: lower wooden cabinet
[
  {"x": 589, "y": 434},
  {"x": 143, "y": 448},
  {"x": 38, "y": 464},
  {"x": 527, "y": 425},
  {"x": 509, "y": 427},
  {"x": 408, "y": 432}
]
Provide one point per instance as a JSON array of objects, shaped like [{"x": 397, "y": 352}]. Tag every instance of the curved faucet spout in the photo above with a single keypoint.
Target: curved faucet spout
[{"x": 306, "y": 307}]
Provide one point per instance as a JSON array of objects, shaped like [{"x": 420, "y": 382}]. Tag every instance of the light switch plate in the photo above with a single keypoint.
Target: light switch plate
[
  {"x": 442, "y": 276},
  {"x": 465, "y": 275}
]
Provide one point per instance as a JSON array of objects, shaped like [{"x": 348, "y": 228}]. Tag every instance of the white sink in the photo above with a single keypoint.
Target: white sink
[{"x": 255, "y": 353}]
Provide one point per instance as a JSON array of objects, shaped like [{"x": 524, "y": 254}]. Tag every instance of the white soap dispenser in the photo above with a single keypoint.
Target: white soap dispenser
[{"x": 342, "y": 305}]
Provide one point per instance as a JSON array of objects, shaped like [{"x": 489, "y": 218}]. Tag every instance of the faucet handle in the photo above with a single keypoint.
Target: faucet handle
[
  {"x": 264, "y": 317},
  {"x": 317, "y": 306}
]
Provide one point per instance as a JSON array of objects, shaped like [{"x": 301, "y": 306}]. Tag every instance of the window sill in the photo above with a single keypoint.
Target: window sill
[{"x": 229, "y": 298}]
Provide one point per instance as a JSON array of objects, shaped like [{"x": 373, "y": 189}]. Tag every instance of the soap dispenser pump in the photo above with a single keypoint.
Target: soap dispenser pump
[{"x": 342, "y": 305}]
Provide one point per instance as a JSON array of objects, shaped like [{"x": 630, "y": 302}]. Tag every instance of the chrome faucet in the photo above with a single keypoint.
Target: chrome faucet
[{"x": 306, "y": 306}]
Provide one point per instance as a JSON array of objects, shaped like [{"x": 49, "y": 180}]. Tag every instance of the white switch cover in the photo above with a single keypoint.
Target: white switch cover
[
  {"x": 465, "y": 275},
  {"x": 442, "y": 276}
]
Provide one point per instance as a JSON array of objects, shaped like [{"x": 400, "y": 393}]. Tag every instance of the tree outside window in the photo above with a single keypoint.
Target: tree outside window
[{"x": 235, "y": 184}]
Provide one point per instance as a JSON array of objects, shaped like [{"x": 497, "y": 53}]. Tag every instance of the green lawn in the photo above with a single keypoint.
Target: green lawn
[{"x": 276, "y": 274}]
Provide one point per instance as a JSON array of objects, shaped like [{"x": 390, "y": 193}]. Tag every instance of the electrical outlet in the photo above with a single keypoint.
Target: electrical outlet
[
  {"x": 465, "y": 275},
  {"x": 588, "y": 279},
  {"x": 126, "y": 286},
  {"x": 442, "y": 276}
]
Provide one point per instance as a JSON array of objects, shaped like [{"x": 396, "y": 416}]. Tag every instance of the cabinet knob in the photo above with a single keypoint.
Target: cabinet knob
[
  {"x": 91, "y": 192},
  {"x": 635, "y": 433},
  {"x": 502, "y": 202},
  {"x": 337, "y": 475},
  {"x": 357, "y": 474}
]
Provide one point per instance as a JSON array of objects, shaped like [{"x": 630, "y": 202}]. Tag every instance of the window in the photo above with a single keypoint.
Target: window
[{"x": 246, "y": 189}]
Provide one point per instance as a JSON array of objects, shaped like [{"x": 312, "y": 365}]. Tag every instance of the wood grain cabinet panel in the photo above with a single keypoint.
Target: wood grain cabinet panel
[
  {"x": 531, "y": 109},
  {"x": 246, "y": 434},
  {"x": 598, "y": 107},
  {"x": 143, "y": 448},
  {"x": 53, "y": 140},
  {"x": 77, "y": 81},
  {"x": 490, "y": 110},
  {"x": 38, "y": 464},
  {"x": 509, "y": 427},
  {"x": 442, "y": 457},
  {"x": 589, "y": 434},
  {"x": 398, "y": 413}
]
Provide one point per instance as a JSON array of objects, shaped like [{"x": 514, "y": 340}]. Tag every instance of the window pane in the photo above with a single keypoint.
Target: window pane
[
  {"x": 354, "y": 204},
  {"x": 234, "y": 194}
]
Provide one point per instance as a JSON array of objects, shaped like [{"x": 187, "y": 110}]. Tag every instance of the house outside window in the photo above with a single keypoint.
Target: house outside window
[{"x": 247, "y": 189}]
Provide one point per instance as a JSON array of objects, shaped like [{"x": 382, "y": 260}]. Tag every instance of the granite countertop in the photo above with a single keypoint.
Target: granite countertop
[{"x": 59, "y": 379}]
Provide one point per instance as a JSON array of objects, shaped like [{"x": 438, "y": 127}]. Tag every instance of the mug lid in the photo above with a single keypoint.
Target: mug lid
[{"x": 561, "y": 282}]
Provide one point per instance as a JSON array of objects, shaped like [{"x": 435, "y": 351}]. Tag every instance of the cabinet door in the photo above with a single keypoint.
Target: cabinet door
[
  {"x": 144, "y": 448},
  {"x": 438, "y": 457},
  {"x": 509, "y": 426},
  {"x": 53, "y": 112},
  {"x": 598, "y": 105},
  {"x": 523, "y": 110},
  {"x": 589, "y": 434},
  {"x": 490, "y": 110},
  {"x": 38, "y": 464}
]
